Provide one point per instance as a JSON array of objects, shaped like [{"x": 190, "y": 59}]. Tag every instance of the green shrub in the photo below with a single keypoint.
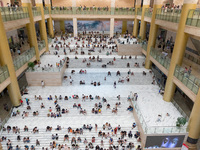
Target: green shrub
[
  {"x": 181, "y": 121},
  {"x": 31, "y": 65}
]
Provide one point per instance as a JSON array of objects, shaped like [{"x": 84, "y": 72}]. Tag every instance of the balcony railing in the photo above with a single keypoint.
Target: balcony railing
[
  {"x": 41, "y": 45},
  {"x": 58, "y": 68},
  {"x": 144, "y": 46},
  {"x": 93, "y": 10},
  {"x": 46, "y": 10},
  {"x": 49, "y": 40},
  {"x": 139, "y": 11},
  {"x": 13, "y": 13},
  {"x": 172, "y": 15},
  {"x": 61, "y": 10},
  {"x": 156, "y": 129},
  {"x": 192, "y": 58},
  {"x": 36, "y": 11},
  {"x": 193, "y": 18},
  {"x": 22, "y": 59},
  {"x": 148, "y": 12},
  {"x": 161, "y": 57},
  {"x": 4, "y": 74},
  {"x": 187, "y": 79},
  {"x": 124, "y": 11}
]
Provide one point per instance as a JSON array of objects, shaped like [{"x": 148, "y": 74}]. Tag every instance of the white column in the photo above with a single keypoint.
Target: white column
[
  {"x": 73, "y": 3},
  {"x": 112, "y": 24},
  {"x": 75, "y": 26},
  {"x": 112, "y": 3}
]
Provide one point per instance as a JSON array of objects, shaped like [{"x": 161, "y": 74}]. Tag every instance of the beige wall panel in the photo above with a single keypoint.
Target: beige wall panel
[
  {"x": 66, "y": 3},
  {"x": 124, "y": 3}
]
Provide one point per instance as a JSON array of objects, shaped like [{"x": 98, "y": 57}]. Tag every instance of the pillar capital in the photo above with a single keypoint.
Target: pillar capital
[
  {"x": 146, "y": 2},
  {"x": 38, "y": 1},
  {"x": 190, "y": 1},
  {"x": 26, "y": 1},
  {"x": 138, "y": 2},
  {"x": 158, "y": 2}
]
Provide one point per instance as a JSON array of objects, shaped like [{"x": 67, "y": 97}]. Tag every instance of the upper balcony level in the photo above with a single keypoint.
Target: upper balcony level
[{"x": 92, "y": 12}]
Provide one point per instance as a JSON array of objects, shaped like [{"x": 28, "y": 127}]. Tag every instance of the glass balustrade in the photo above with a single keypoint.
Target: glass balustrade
[
  {"x": 61, "y": 10},
  {"x": 172, "y": 15},
  {"x": 93, "y": 10},
  {"x": 139, "y": 11},
  {"x": 144, "y": 46},
  {"x": 14, "y": 13},
  {"x": 161, "y": 57},
  {"x": 36, "y": 11},
  {"x": 49, "y": 40},
  {"x": 148, "y": 12},
  {"x": 192, "y": 58},
  {"x": 187, "y": 79},
  {"x": 41, "y": 45},
  {"x": 124, "y": 11},
  {"x": 157, "y": 129},
  {"x": 22, "y": 59},
  {"x": 4, "y": 74},
  {"x": 58, "y": 68},
  {"x": 193, "y": 18},
  {"x": 46, "y": 10}
]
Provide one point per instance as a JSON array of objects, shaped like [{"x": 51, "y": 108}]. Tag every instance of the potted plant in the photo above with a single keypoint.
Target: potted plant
[
  {"x": 181, "y": 121},
  {"x": 31, "y": 65}
]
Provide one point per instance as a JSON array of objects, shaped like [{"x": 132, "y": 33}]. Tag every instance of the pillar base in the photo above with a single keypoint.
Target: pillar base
[{"x": 191, "y": 146}]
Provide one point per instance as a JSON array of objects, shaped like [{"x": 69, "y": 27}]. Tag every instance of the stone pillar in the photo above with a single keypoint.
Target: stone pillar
[
  {"x": 136, "y": 21},
  {"x": 75, "y": 27},
  {"x": 179, "y": 49},
  {"x": 31, "y": 28},
  {"x": 143, "y": 24},
  {"x": 6, "y": 59},
  {"x": 42, "y": 25},
  {"x": 49, "y": 20},
  {"x": 124, "y": 27},
  {"x": 112, "y": 25},
  {"x": 62, "y": 26},
  {"x": 153, "y": 33},
  {"x": 194, "y": 124}
]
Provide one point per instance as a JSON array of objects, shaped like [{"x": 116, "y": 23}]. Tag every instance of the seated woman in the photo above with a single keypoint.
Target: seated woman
[
  {"x": 48, "y": 128},
  {"x": 66, "y": 97},
  {"x": 42, "y": 106},
  {"x": 108, "y": 106},
  {"x": 137, "y": 134},
  {"x": 114, "y": 110},
  {"x": 66, "y": 137},
  {"x": 25, "y": 128},
  {"x": 50, "y": 97},
  {"x": 63, "y": 111},
  {"x": 40, "y": 98},
  {"x": 28, "y": 107},
  {"x": 93, "y": 110},
  {"x": 130, "y": 108},
  {"x": 35, "y": 129},
  {"x": 74, "y": 105}
]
